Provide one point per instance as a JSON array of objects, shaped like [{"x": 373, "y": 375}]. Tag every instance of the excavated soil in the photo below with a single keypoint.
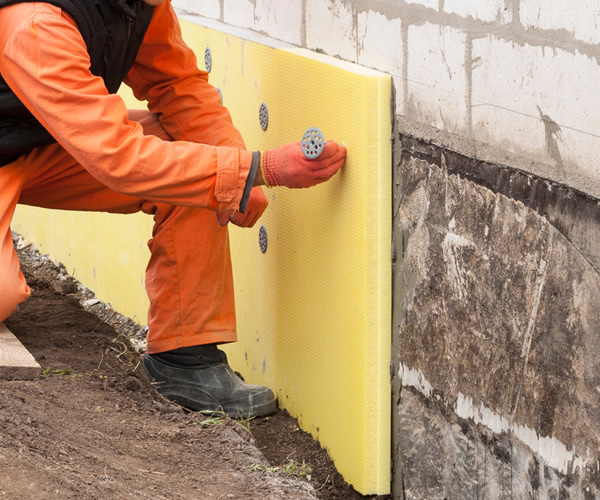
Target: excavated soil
[{"x": 92, "y": 425}]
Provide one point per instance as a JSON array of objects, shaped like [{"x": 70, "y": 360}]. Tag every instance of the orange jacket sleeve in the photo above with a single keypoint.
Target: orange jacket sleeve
[
  {"x": 44, "y": 60},
  {"x": 166, "y": 75}
]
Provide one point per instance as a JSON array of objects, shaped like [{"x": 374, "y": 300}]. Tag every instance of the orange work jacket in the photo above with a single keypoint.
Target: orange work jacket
[{"x": 44, "y": 60}]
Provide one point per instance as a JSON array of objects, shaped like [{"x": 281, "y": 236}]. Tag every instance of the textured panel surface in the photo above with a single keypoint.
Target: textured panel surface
[
  {"x": 105, "y": 252},
  {"x": 314, "y": 309}
]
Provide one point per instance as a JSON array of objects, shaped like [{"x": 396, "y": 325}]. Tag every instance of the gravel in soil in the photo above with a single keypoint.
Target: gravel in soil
[{"x": 93, "y": 426}]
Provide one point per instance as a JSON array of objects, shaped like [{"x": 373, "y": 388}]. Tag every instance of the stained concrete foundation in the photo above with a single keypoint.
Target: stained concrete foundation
[{"x": 496, "y": 338}]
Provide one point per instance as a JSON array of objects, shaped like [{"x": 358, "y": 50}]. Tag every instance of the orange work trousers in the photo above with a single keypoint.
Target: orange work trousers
[{"x": 188, "y": 278}]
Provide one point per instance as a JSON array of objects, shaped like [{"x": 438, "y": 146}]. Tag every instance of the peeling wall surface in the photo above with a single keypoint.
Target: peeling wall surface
[
  {"x": 496, "y": 369},
  {"x": 498, "y": 348}
]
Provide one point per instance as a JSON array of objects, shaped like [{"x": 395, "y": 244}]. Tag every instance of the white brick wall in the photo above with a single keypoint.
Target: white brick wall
[
  {"x": 239, "y": 13},
  {"x": 281, "y": 20}
]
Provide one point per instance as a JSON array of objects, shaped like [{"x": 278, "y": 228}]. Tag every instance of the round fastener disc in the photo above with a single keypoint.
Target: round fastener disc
[
  {"x": 262, "y": 239},
  {"x": 313, "y": 143},
  {"x": 263, "y": 116},
  {"x": 207, "y": 59}
]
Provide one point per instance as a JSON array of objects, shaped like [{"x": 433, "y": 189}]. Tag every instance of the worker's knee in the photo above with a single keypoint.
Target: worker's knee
[{"x": 13, "y": 291}]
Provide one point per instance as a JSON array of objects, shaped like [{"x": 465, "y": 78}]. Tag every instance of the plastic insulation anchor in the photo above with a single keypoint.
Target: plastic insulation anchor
[
  {"x": 312, "y": 143},
  {"x": 263, "y": 241}
]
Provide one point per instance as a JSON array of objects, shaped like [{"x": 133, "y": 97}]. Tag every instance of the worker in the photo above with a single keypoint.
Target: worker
[{"x": 67, "y": 141}]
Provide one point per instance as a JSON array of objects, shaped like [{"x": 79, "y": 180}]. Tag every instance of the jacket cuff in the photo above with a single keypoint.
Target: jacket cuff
[
  {"x": 233, "y": 168},
  {"x": 250, "y": 181}
]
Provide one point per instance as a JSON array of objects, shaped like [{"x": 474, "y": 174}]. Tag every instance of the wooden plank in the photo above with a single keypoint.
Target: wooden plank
[{"x": 16, "y": 362}]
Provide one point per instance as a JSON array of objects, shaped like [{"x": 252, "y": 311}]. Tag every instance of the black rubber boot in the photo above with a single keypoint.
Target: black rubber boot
[{"x": 199, "y": 378}]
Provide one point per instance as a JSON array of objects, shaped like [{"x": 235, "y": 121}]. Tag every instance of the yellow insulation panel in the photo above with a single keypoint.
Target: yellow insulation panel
[
  {"x": 105, "y": 252},
  {"x": 314, "y": 310},
  {"x": 314, "y": 313}
]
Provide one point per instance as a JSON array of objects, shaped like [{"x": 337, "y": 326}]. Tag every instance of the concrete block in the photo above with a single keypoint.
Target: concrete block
[
  {"x": 431, "y": 4},
  {"x": 330, "y": 27},
  {"x": 540, "y": 103},
  {"x": 492, "y": 10},
  {"x": 280, "y": 20},
  {"x": 504, "y": 96},
  {"x": 575, "y": 156},
  {"x": 239, "y": 13},
  {"x": 206, "y": 8},
  {"x": 380, "y": 42},
  {"x": 435, "y": 78},
  {"x": 579, "y": 18}
]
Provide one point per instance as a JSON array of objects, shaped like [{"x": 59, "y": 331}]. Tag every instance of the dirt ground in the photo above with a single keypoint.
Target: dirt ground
[{"x": 92, "y": 426}]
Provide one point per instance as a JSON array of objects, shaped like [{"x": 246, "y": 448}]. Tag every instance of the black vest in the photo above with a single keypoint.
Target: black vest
[{"x": 113, "y": 32}]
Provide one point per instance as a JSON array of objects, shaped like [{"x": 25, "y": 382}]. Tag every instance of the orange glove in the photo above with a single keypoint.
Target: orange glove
[
  {"x": 287, "y": 165},
  {"x": 257, "y": 203}
]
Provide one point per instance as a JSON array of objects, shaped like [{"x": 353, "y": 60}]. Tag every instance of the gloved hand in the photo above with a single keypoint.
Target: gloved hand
[
  {"x": 287, "y": 165},
  {"x": 257, "y": 203}
]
